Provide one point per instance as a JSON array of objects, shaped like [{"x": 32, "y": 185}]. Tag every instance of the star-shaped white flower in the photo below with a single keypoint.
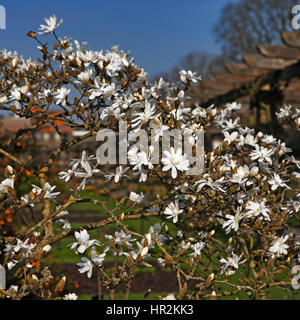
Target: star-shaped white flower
[
  {"x": 172, "y": 211},
  {"x": 174, "y": 160},
  {"x": 83, "y": 242},
  {"x": 52, "y": 25},
  {"x": 279, "y": 247},
  {"x": 277, "y": 182}
]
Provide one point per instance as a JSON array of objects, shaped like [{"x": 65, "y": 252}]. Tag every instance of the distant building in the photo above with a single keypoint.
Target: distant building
[{"x": 46, "y": 135}]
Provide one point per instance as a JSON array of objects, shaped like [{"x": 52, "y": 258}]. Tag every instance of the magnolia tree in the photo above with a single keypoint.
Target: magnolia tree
[{"x": 223, "y": 228}]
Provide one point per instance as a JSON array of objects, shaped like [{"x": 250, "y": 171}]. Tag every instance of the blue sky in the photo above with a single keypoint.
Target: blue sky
[{"x": 157, "y": 32}]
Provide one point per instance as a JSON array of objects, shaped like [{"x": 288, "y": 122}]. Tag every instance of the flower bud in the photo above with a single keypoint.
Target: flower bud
[
  {"x": 254, "y": 171},
  {"x": 14, "y": 62},
  {"x": 259, "y": 135},
  {"x": 213, "y": 112},
  {"x": 211, "y": 233},
  {"x": 298, "y": 123},
  {"x": 3, "y": 99},
  {"x": 9, "y": 171},
  {"x": 280, "y": 153},
  {"x": 209, "y": 279}
]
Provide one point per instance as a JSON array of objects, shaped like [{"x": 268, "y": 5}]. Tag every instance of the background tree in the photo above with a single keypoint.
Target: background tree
[
  {"x": 244, "y": 25},
  {"x": 202, "y": 62}
]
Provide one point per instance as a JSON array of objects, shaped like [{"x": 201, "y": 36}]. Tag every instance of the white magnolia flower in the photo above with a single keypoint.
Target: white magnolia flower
[
  {"x": 49, "y": 191},
  {"x": 197, "y": 247},
  {"x": 207, "y": 181},
  {"x": 262, "y": 154},
  {"x": 230, "y": 124},
  {"x": 46, "y": 93},
  {"x": 145, "y": 116},
  {"x": 120, "y": 172},
  {"x": 5, "y": 184},
  {"x": 105, "y": 90},
  {"x": 86, "y": 266},
  {"x": 143, "y": 175},
  {"x": 250, "y": 140},
  {"x": 234, "y": 106},
  {"x": 98, "y": 259},
  {"x": 137, "y": 198},
  {"x": 220, "y": 118},
  {"x": 84, "y": 162},
  {"x": 85, "y": 76},
  {"x": 282, "y": 147},
  {"x": 284, "y": 112},
  {"x": 279, "y": 247},
  {"x": 66, "y": 224},
  {"x": 181, "y": 97},
  {"x": 155, "y": 231},
  {"x": 231, "y": 264},
  {"x": 183, "y": 245},
  {"x": 241, "y": 175},
  {"x": 21, "y": 246},
  {"x": 140, "y": 158},
  {"x": 245, "y": 130},
  {"x": 169, "y": 297},
  {"x": 61, "y": 95},
  {"x": 173, "y": 211},
  {"x": 191, "y": 131},
  {"x": 85, "y": 175},
  {"x": 112, "y": 111},
  {"x": 52, "y": 25},
  {"x": 269, "y": 139},
  {"x": 70, "y": 296},
  {"x": 11, "y": 264},
  {"x": 232, "y": 222},
  {"x": 199, "y": 112},
  {"x": 256, "y": 209},
  {"x": 230, "y": 137},
  {"x": 294, "y": 160},
  {"x": 83, "y": 242},
  {"x": 68, "y": 175},
  {"x": 186, "y": 76},
  {"x": 119, "y": 241},
  {"x": 174, "y": 160},
  {"x": 277, "y": 182},
  {"x": 25, "y": 199},
  {"x": 15, "y": 93},
  {"x": 158, "y": 129}
]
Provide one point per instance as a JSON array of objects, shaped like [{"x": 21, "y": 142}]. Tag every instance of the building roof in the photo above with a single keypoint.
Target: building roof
[
  {"x": 272, "y": 64},
  {"x": 13, "y": 124}
]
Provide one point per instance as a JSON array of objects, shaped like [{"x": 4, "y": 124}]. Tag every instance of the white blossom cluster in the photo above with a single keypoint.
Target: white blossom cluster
[{"x": 246, "y": 187}]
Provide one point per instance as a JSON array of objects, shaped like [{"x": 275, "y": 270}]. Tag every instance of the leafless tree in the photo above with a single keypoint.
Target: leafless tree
[
  {"x": 244, "y": 25},
  {"x": 200, "y": 61}
]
